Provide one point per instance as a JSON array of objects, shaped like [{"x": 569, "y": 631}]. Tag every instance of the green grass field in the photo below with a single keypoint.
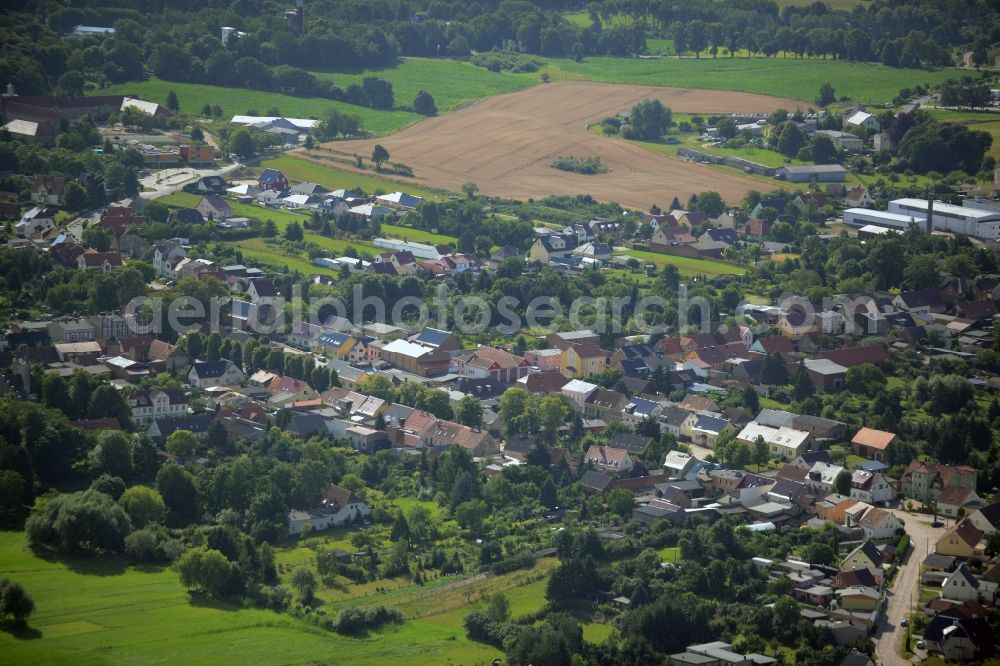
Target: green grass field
[
  {"x": 104, "y": 612},
  {"x": 686, "y": 265},
  {"x": 670, "y": 554},
  {"x": 450, "y": 82},
  {"x": 986, "y": 122},
  {"x": 236, "y": 101},
  {"x": 783, "y": 77}
]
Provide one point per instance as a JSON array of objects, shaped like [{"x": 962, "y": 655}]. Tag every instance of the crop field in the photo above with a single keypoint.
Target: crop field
[
  {"x": 105, "y": 612},
  {"x": 793, "y": 78},
  {"x": 505, "y": 144},
  {"x": 986, "y": 122},
  {"x": 236, "y": 101}
]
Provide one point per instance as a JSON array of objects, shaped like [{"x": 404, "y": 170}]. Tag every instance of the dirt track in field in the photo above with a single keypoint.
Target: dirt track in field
[{"x": 506, "y": 144}]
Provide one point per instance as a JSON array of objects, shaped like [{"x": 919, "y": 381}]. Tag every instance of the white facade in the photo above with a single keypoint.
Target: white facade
[
  {"x": 860, "y": 217},
  {"x": 969, "y": 220},
  {"x": 419, "y": 250}
]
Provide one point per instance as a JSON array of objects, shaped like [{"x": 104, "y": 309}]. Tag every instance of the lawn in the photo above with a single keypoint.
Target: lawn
[
  {"x": 237, "y": 101},
  {"x": 686, "y": 265},
  {"x": 451, "y": 83},
  {"x": 597, "y": 632},
  {"x": 986, "y": 122},
  {"x": 416, "y": 235},
  {"x": 669, "y": 554},
  {"x": 784, "y": 77},
  {"x": 300, "y": 170},
  {"x": 103, "y": 612}
]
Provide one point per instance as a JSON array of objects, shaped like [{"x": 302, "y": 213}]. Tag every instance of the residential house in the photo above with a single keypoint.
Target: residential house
[
  {"x": 214, "y": 207},
  {"x": 338, "y": 507},
  {"x": 863, "y": 120},
  {"x": 960, "y": 541},
  {"x": 878, "y": 523},
  {"x": 148, "y": 406},
  {"x": 101, "y": 261},
  {"x": 501, "y": 365},
  {"x": 543, "y": 383},
  {"x": 871, "y": 443},
  {"x": 872, "y": 487},
  {"x": 859, "y": 599},
  {"x": 987, "y": 518},
  {"x": 208, "y": 374},
  {"x": 608, "y": 459},
  {"x": 703, "y": 428},
  {"x": 960, "y": 585},
  {"x": 583, "y": 360},
  {"x": 924, "y": 481},
  {"x": 956, "y": 639},
  {"x": 434, "y": 432},
  {"x": 71, "y": 330},
  {"x": 272, "y": 179},
  {"x": 261, "y": 290},
  {"x": 822, "y": 477},
  {"x": 859, "y": 197},
  {"x": 955, "y": 500},
  {"x": 604, "y": 404},
  {"x": 547, "y": 248},
  {"x": 864, "y": 556},
  {"x": 39, "y": 222},
  {"x": 928, "y": 300},
  {"x": 166, "y": 256},
  {"x": 47, "y": 189}
]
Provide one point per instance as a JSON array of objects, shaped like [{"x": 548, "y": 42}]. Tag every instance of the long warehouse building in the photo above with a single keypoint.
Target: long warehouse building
[
  {"x": 974, "y": 218},
  {"x": 860, "y": 217}
]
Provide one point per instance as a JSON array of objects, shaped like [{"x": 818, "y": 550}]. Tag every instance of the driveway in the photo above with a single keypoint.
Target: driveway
[
  {"x": 168, "y": 181},
  {"x": 905, "y": 591}
]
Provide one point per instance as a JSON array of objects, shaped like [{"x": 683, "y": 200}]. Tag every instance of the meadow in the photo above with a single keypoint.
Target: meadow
[
  {"x": 106, "y": 612},
  {"x": 686, "y": 265},
  {"x": 237, "y": 101},
  {"x": 450, "y": 82},
  {"x": 783, "y": 77},
  {"x": 305, "y": 171}
]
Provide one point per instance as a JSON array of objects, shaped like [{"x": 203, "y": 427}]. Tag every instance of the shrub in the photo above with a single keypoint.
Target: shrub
[{"x": 587, "y": 166}]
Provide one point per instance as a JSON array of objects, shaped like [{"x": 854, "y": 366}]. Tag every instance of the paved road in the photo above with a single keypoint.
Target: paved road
[
  {"x": 168, "y": 181},
  {"x": 905, "y": 591}
]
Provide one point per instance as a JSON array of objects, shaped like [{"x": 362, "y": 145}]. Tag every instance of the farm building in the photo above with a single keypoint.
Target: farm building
[
  {"x": 419, "y": 250},
  {"x": 822, "y": 173}
]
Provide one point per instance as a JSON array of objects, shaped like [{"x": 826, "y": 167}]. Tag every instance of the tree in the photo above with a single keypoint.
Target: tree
[
  {"x": 304, "y": 582},
  {"x": 552, "y": 413},
  {"x": 518, "y": 412},
  {"x": 842, "y": 484},
  {"x": 74, "y": 196},
  {"x": 423, "y": 104},
  {"x": 241, "y": 143},
  {"x": 470, "y": 189},
  {"x": 650, "y": 119},
  {"x": 379, "y": 386},
  {"x": 826, "y": 95},
  {"x": 179, "y": 495},
  {"x": 790, "y": 140},
  {"x": 144, "y": 505},
  {"x": 294, "y": 233},
  {"x": 760, "y": 452},
  {"x": 773, "y": 371},
  {"x": 993, "y": 544},
  {"x": 469, "y": 411},
  {"x": 13, "y": 496},
  {"x": 204, "y": 570},
  {"x": 922, "y": 272},
  {"x": 379, "y": 155},
  {"x": 547, "y": 494},
  {"x": 823, "y": 151},
  {"x": 172, "y": 102},
  {"x": 750, "y": 399},
  {"x": 804, "y": 386},
  {"x": 620, "y": 501},
  {"x": 16, "y": 605},
  {"x": 471, "y": 514},
  {"x": 182, "y": 443},
  {"x": 112, "y": 455},
  {"x": 79, "y": 523},
  {"x": 377, "y": 92}
]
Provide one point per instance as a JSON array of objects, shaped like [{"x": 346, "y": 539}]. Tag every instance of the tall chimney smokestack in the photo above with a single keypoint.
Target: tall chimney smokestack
[{"x": 930, "y": 210}]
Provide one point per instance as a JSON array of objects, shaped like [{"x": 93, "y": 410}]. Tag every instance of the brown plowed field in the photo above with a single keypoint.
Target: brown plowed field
[{"x": 506, "y": 144}]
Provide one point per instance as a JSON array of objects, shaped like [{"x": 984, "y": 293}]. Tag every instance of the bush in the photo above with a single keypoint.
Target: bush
[
  {"x": 355, "y": 621},
  {"x": 522, "y": 560},
  {"x": 16, "y": 605},
  {"x": 497, "y": 61},
  {"x": 79, "y": 524},
  {"x": 587, "y": 166},
  {"x": 143, "y": 546}
]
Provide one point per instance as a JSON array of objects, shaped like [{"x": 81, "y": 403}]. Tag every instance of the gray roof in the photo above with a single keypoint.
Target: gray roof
[
  {"x": 776, "y": 418},
  {"x": 594, "y": 479},
  {"x": 432, "y": 336}
]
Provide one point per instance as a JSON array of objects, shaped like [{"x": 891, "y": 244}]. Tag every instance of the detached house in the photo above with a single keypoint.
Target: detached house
[
  {"x": 338, "y": 507},
  {"x": 582, "y": 360},
  {"x": 47, "y": 189},
  {"x": 924, "y": 481},
  {"x": 960, "y": 585},
  {"x": 214, "y": 207},
  {"x": 208, "y": 374},
  {"x": 101, "y": 261},
  {"x": 608, "y": 459},
  {"x": 960, "y": 541},
  {"x": 871, "y": 443}
]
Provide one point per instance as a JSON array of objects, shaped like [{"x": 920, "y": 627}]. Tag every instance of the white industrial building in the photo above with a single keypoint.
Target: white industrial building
[
  {"x": 419, "y": 250},
  {"x": 860, "y": 217},
  {"x": 974, "y": 218}
]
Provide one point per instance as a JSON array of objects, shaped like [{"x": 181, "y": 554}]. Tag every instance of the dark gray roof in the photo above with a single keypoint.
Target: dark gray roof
[
  {"x": 631, "y": 443},
  {"x": 196, "y": 423},
  {"x": 432, "y": 336},
  {"x": 210, "y": 369},
  {"x": 595, "y": 480},
  {"x": 674, "y": 416}
]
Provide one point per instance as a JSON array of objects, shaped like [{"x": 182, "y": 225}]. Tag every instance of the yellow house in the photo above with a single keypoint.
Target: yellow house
[
  {"x": 859, "y": 598},
  {"x": 959, "y": 541},
  {"x": 582, "y": 360},
  {"x": 336, "y": 345}
]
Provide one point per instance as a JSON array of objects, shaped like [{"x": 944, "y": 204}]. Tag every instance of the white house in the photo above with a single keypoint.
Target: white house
[
  {"x": 960, "y": 585},
  {"x": 864, "y": 120},
  {"x": 871, "y": 487},
  {"x": 166, "y": 257},
  {"x": 987, "y": 518},
  {"x": 339, "y": 506},
  {"x": 149, "y": 405},
  {"x": 208, "y": 374},
  {"x": 879, "y": 524}
]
